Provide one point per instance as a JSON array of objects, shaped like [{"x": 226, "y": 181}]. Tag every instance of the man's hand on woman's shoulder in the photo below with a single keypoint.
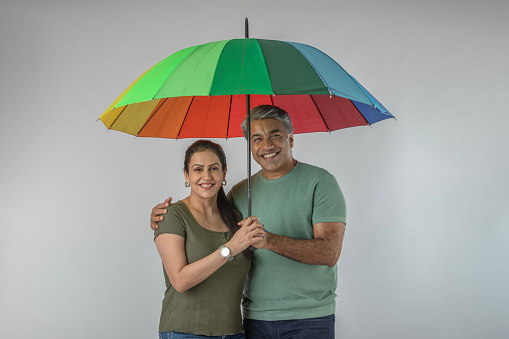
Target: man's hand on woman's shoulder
[{"x": 157, "y": 212}]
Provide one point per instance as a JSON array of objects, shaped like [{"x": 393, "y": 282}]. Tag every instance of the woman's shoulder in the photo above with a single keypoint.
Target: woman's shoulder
[
  {"x": 176, "y": 207},
  {"x": 178, "y": 211},
  {"x": 175, "y": 220}
]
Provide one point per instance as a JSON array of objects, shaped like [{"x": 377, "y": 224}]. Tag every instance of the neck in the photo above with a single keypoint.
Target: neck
[
  {"x": 275, "y": 175},
  {"x": 204, "y": 206}
]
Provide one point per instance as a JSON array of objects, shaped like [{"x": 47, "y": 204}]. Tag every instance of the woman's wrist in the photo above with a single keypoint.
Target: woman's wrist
[{"x": 233, "y": 249}]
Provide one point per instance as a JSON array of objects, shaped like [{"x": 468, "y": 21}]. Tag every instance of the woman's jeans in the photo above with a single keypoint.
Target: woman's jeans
[
  {"x": 179, "y": 335},
  {"x": 312, "y": 328}
]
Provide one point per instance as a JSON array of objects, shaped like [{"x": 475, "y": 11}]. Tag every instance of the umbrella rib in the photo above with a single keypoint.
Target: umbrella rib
[
  {"x": 316, "y": 71},
  {"x": 113, "y": 123},
  {"x": 362, "y": 115},
  {"x": 363, "y": 91},
  {"x": 152, "y": 115},
  {"x": 229, "y": 116},
  {"x": 187, "y": 112},
  {"x": 325, "y": 122}
]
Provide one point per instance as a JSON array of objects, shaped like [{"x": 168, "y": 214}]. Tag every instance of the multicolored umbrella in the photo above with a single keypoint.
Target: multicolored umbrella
[
  {"x": 200, "y": 91},
  {"x": 206, "y": 91}
]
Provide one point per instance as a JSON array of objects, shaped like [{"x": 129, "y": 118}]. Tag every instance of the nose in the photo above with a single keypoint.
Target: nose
[
  {"x": 207, "y": 174},
  {"x": 267, "y": 143}
]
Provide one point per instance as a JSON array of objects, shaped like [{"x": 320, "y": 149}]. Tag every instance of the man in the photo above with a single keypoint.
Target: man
[{"x": 290, "y": 291}]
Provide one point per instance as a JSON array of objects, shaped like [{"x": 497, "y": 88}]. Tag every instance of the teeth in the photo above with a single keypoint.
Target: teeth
[
  {"x": 206, "y": 185},
  {"x": 269, "y": 155}
]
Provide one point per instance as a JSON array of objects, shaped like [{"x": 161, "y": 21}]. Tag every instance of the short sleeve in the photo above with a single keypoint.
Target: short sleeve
[
  {"x": 328, "y": 201},
  {"x": 173, "y": 223}
]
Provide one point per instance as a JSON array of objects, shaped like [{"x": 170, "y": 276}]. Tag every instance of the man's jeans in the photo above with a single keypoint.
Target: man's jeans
[
  {"x": 179, "y": 335},
  {"x": 312, "y": 328}
]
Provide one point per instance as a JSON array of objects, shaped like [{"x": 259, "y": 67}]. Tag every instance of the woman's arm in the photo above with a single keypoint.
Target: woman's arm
[{"x": 182, "y": 275}]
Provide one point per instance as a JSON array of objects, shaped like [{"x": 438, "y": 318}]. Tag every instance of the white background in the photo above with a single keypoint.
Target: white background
[{"x": 426, "y": 249}]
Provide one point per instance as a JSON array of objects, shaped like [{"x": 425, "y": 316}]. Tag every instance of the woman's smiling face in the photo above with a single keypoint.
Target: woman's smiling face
[{"x": 205, "y": 175}]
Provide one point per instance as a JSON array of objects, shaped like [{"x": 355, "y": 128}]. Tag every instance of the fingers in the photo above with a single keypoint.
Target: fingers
[
  {"x": 260, "y": 242},
  {"x": 161, "y": 205},
  {"x": 247, "y": 221},
  {"x": 157, "y": 215},
  {"x": 157, "y": 212},
  {"x": 256, "y": 225},
  {"x": 255, "y": 231},
  {"x": 252, "y": 226},
  {"x": 250, "y": 232}
]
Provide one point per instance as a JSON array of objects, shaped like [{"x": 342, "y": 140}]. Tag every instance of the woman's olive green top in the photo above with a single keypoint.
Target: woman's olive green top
[{"x": 213, "y": 306}]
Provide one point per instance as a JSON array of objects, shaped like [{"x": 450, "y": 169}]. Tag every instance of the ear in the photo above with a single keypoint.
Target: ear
[
  {"x": 224, "y": 173},
  {"x": 186, "y": 175},
  {"x": 290, "y": 138}
]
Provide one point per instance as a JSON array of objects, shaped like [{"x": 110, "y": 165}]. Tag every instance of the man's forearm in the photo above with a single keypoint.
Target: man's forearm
[{"x": 307, "y": 251}]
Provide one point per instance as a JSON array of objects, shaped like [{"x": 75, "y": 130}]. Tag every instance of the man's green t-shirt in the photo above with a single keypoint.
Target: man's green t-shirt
[
  {"x": 213, "y": 306},
  {"x": 279, "y": 288}
]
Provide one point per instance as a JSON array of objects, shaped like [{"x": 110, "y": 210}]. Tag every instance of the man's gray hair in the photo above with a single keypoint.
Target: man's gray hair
[{"x": 269, "y": 112}]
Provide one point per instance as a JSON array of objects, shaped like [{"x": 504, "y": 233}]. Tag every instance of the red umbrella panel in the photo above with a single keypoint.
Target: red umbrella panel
[{"x": 221, "y": 116}]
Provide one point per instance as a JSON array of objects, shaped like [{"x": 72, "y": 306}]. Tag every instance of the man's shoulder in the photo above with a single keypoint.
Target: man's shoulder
[
  {"x": 242, "y": 185},
  {"x": 238, "y": 190},
  {"x": 312, "y": 170}
]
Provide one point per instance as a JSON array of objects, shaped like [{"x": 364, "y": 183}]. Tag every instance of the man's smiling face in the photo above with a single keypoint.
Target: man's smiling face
[{"x": 271, "y": 147}]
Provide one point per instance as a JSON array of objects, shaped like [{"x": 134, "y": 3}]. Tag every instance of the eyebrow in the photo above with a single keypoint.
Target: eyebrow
[
  {"x": 200, "y": 165},
  {"x": 273, "y": 131}
]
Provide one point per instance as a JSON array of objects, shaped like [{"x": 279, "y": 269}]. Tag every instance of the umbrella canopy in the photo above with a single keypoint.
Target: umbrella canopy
[{"x": 200, "y": 91}]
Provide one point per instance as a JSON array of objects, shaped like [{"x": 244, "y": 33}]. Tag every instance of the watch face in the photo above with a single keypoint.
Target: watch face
[{"x": 225, "y": 251}]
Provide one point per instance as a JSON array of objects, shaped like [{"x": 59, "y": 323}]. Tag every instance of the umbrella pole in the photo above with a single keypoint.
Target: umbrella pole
[{"x": 248, "y": 119}]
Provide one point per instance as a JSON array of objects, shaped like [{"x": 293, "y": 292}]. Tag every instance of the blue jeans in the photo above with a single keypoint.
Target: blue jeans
[
  {"x": 312, "y": 328},
  {"x": 179, "y": 335}
]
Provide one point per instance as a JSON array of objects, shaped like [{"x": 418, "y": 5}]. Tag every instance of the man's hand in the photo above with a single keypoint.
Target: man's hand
[
  {"x": 323, "y": 249},
  {"x": 156, "y": 216}
]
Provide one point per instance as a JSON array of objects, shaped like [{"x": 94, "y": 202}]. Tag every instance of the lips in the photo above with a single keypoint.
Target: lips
[
  {"x": 206, "y": 185},
  {"x": 269, "y": 155}
]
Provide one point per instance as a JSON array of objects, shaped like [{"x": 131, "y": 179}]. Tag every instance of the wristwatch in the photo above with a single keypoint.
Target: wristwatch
[{"x": 225, "y": 252}]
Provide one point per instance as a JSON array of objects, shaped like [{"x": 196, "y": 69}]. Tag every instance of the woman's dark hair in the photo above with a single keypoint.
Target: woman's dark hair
[{"x": 225, "y": 209}]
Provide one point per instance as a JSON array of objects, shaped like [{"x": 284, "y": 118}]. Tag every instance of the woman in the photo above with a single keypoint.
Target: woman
[{"x": 204, "y": 252}]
